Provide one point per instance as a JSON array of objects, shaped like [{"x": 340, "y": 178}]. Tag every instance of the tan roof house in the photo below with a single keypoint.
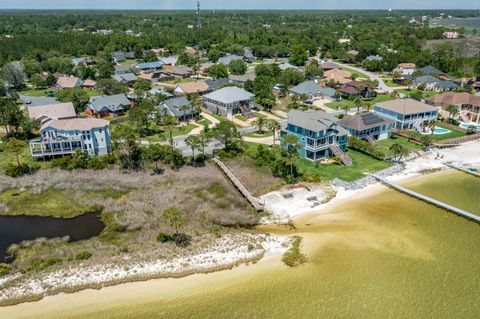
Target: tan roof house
[
  {"x": 48, "y": 112},
  {"x": 198, "y": 87},
  {"x": 65, "y": 82},
  {"x": 337, "y": 75}
]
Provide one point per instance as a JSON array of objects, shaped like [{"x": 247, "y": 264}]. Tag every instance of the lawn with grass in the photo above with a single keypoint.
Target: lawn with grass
[
  {"x": 203, "y": 121},
  {"x": 362, "y": 165},
  {"x": 177, "y": 131},
  {"x": 440, "y": 137},
  {"x": 241, "y": 117},
  {"x": 410, "y": 145},
  {"x": 53, "y": 202},
  {"x": 25, "y": 157},
  {"x": 94, "y": 92},
  {"x": 257, "y": 134},
  {"x": 37, "y": 92},
  {"x": 359, "y": 74}
]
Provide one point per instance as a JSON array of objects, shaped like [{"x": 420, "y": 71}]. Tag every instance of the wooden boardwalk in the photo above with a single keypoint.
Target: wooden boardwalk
[
  {"x": 238, "y": 184},
  {"x": 429, "y": 200},
  {"x": 477, "y": 174}
]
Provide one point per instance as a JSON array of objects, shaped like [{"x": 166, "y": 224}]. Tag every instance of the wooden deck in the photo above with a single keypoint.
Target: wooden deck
[
  {"x": 429, "y": 200},
  {"x": 476, "y": 174},
  {"x": 238, "y": 184}
]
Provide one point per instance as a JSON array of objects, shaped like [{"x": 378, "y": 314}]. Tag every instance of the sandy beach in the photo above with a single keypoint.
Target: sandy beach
[{"x": 467, "y": 155}]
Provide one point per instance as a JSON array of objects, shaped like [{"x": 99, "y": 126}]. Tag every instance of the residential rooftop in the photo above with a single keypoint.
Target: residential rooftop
[
  {"x": 229, "y": 95},
  {"x": 76, "y": 124},
  {"x": 406, "y": 106}
]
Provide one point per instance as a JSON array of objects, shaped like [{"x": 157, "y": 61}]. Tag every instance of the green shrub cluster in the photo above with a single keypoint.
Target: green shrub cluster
[
  {"x": 81, "y": 161},
  {"x": 181, "y": 240},
  {"x": 294, "y": 257},
  {"x": 41, "y": 264},
  {"x": 84, "y": 255},
  {"x": 13, "y": 170},
  {"x": 4, "y": 269},
  {"x": 365, "y": 147}
]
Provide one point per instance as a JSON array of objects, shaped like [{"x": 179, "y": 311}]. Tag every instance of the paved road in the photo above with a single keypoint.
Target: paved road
[
  {"x": 38, "y": 100},
  {"x": 382, "y": 87}
]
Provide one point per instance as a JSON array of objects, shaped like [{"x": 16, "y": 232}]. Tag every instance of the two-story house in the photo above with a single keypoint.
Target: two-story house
[
  {"x": 65, "y": 137},
  {"x": 319, "y": 134},
  {"x": 107, "y": 105},
  {"x": 229, "y": 101},
  {"x": 367, "y": 126},
  {"x": 407, "y": 114}
]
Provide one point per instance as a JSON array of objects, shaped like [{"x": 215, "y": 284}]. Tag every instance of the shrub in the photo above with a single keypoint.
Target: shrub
[
  {"x": 217, "y": 190},
  {"x": 40, "y": 264},
  {"x": 365, "y": 147},
  {"x": 84, "y": 255},
  {"x": 4, "y": 269},
  {"x": 164, "y": 238},
  {"x": 471, "y": 130},
  {"x": 18, "y": 170},
  {"x": 293, "y": 257},
  {"x": 182, "y": 240}
]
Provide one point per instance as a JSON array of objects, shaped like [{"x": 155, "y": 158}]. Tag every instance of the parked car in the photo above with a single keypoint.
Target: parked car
[{"x": 28, "y": 101}]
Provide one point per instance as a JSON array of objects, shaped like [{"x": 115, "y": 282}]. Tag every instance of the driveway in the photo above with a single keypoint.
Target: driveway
[
  {"x": 37, "y": 100},
  {"x": 382, "y": 87}
]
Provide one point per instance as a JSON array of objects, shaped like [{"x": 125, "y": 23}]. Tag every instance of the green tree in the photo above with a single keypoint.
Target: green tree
[
  {"x": 15, "y": 147},
  {"x": 141, "y": 114},
  {"x": 125, "y": 146},
  {"x": 290, "y": 77},
  {"x": 275, "y": 127},
  {"x": 213, "y": 55},
  {"x": 398, "y": 151},
  {"x": 227, "y": 133},
  {"x": 237, "y": 67},
  {"x": 358, "y": 103},
  {"x": 155, "y": 153},
  {"x": 10, "y": 115},
  {"x": 37, "y": 80},
  {"x": 31, "y": 67},
  {"x": 452, "y": 111},
  {"x": 426, "y": 140},
  {"x": 194, "y": 142},
  {"x": 150, "y": 56},
  {"x": 77, "y": 96},
  {"x": 298, "y": 55},
  {"x": 218, "y": 71},
  {"x": 313, "y": 70},
  {"x": 174, "y": 218},
  {"x": 432, "y": 125},
  {"x": 111, "y": 87},
  {"x": 105, "y": 69},
  {"x": 170, "y": 123},
  {"x": 260, "y": 123},
  {"x": 204, "y": 139},
  {"x": 13, "y": 75},
  {"x": 291, "y": 144}
]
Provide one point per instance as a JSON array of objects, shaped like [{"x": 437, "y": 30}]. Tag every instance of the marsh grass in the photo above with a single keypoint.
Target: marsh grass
[{"x": 294, "y": 257}]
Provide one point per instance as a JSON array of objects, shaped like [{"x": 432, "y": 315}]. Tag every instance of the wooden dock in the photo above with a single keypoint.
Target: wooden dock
[
  {"x": 461, "y": 169},
  {"x": 429, "y": 200},
  {"x": 238, "y": 184}
]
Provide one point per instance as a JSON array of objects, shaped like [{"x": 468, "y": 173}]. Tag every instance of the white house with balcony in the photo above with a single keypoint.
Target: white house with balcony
[
  {"x": 407, "y": 114},
  {"x": 65, "y": 137}
]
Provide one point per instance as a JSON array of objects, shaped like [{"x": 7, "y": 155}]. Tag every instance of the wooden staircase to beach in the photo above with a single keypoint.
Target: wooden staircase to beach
[
  {"x": 344, "y": 157},
  {"x": 246, "y": 112},
  {"x": 370, "y": 139}
]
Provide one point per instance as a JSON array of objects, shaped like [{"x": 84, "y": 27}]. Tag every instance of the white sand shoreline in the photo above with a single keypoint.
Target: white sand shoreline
[{"x": 227, "y": 253}]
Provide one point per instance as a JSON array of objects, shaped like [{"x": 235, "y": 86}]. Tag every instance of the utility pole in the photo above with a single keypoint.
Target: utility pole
[{"x": 199, "y": 24}]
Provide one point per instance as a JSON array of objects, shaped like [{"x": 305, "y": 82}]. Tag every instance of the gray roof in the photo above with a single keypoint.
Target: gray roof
[
  {"x": 446, "y": 85},
  {"x": 229, "y": 95},
  {"x": 217, "y": 84},
  {"x": 175, "y": 104},
  {"x": 110, "y": 102},
  {"x": 315, "y": 121},
  {"x": 363, "y": 121},
  {"x": 429, "y": 69},
  {"x": 125, "y": 77},
  {"x": 229, "y": 58},
  {"x": 242, "y": 78},
  {"x": 171, "y": 60},
  {"x": 287, "y": 65},
  {"x": 160, "y": 90},
  {"x": 122, "y": 68},
  {"x": 426, "y": 79},
  {"x": 311, "y": 87}
]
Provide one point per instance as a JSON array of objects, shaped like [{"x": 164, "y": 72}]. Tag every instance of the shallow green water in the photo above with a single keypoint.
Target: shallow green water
[{"x": 382, "y": 256}]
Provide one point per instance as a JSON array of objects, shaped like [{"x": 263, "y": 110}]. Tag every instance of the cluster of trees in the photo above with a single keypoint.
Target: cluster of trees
[{"x": 296, "y": 35}]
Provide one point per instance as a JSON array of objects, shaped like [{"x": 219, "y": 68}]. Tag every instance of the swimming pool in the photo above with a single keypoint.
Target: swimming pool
[
  {"x": 466, "y": 126},
  {"x": 440, "y": 131}
]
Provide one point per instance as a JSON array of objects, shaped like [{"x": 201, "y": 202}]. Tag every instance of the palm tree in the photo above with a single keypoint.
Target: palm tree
[
  {"x": 346, "y": 107},
  {"x": 170, "y": 122},
  {"x": 398, "y": 151},
  {"x": 358, "y": 103},
  {"x": 184, "y": 108},
  {"x": 368, "y": 107},
  {"x": 291, "y": 142},
  {"x": 203, "y": 139},
  {"x": 260, "y": 123},
  {"x": 274, "y": 126},
  {"x": 432, "y": 125},
  {"x": 193, "y": 141},
  {"x": 452, "y": 110}
]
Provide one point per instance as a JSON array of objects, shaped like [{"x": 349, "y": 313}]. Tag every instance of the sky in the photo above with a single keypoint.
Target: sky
[{"x": 239, "y": 4}]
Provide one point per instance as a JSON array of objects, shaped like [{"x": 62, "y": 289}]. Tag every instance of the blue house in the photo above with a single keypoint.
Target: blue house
[
  {"x": 318, "y": 134},
  {"x": 407, "y": 114},
  {"x": 65, "y": 137}
]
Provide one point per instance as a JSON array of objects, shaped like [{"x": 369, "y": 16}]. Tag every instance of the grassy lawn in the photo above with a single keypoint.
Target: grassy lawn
[
  {"x": 53, "y": 202},
  {"x": 25, "y": 157},
  {"x": 359, "y": 74},
  {"x": 203, "y": 121},
  {"x": 34, "y": 91},
  {"x": 390, "y": 83},
  {"x": 241, "y": 117},
  {"x": 179, "y": 81},
  {"x": 350, "y": 103},
  {"x": 257, "y": 134},
  {"x": 362, "y": 165},
  {"x": 179, "y": 130},
  {"x": 440, "y": 137},
  {"x": 385, "y": 144},
  {"x": 94, "y": 92}
]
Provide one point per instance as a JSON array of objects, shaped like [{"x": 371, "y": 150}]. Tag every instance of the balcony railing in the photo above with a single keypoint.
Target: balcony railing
[{"x": 60, "y": 145}]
